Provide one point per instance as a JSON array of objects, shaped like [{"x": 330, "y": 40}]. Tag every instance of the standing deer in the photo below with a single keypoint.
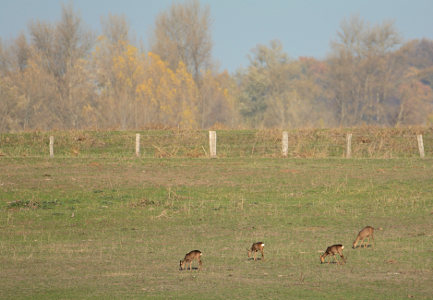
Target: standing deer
[
  {"x": 332, "y": 250},
  {"x": 259, "y": 246},
  {"x": 189, "y": 257},
  {"x": 366, "y": 232}
]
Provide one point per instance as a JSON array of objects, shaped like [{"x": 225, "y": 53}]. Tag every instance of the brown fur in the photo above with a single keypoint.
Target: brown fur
[
  {"x": 332, "y": 250},
  {"x": 366, "y": 232},
  {"x": 189, "y": 257},
  {"x": 259, "y": 246}
]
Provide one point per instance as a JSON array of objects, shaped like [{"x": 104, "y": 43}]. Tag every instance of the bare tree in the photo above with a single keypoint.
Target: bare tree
[
  {"x": 115, "y": 28},
  {"x": 63, "y": 49},
  {"x": 361, "y": 71},
  {"x": 182, "y": 34}
]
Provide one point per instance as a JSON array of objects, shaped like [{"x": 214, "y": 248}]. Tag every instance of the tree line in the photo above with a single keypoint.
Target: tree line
[{"x": 64, "y": 76}]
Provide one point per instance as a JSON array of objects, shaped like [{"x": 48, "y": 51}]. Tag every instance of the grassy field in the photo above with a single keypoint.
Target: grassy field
[{"x": 116, "y": 227}]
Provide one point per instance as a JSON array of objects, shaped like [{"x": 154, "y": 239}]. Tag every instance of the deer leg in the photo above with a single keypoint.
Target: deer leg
[
  {"x": 263, "y": 254},
  {"x": 372, "y": 237},
  {"x": 335, "y": 258},
  {"x": 199, "y": 264},
  {"x": 255, "y": 254}
]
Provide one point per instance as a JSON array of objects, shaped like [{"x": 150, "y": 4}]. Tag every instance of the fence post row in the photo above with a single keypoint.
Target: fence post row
[
  {"x": 285, "y": 146},
  {"x": 284, "y": 149},
  {"x": 349, "y": 145},
  {"x": 137, "y": 144},
  {"x": 420, "y": 145},
  {"x": 51, "y": 146},
  {"x": 212, "y": 143}
]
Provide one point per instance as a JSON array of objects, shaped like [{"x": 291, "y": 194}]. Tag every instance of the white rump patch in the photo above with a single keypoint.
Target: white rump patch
[
  {"x": 201, "y": 254},
  {"x": 263, "y": 245},
  {"x": 342, "y": 247}
]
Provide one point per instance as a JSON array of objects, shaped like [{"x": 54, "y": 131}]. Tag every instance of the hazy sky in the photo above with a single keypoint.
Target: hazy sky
[{"x": 305, "y": 27}]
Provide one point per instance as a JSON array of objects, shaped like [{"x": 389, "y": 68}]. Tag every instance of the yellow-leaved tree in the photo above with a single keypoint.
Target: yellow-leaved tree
[
  {"x": 187, "y": 97},
  {"x": 128, "y": 73},
  {"x": 170, "y": 98},
  {"x": 119, "y": 69}
]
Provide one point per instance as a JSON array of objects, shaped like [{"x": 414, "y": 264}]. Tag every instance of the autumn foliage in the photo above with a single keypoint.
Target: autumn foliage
[{"x": 64, "y": 77}]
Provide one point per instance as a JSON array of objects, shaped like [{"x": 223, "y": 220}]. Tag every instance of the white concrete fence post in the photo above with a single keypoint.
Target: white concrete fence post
[
  {"x": 349, "y": 145},
  {"x": 285, "y": 144},
  {"x": 51, "y": 146},
  {"x": 420, "y": 145},
  {"x": 212, "y": 143},
  {"x": 137, "y": 144}
]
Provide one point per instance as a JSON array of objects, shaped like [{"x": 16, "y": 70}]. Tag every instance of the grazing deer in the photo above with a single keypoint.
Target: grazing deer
[
  {"x": 332, "y": 250},
  {"x": 259, "y": 246},
  {"x": 366, "y": 232},
  {"x": 189, "y": 257}
]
